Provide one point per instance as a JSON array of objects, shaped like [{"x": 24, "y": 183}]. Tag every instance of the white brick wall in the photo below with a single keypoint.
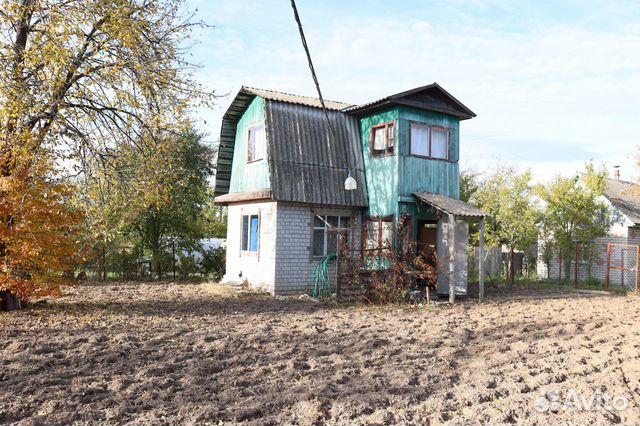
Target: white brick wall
[
  {"x": 284, "y": 264},
  {"x": 259, "y": 268}
]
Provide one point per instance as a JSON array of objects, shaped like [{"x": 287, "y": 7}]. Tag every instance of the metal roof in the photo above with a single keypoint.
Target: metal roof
[
  {"x": 295, "y": 99},
  {"x": 449, "y": 205},
  {"x": 625, "y": 196},
  {"x": 306, "y": 165},
  {"x": 431, "y": 97}
]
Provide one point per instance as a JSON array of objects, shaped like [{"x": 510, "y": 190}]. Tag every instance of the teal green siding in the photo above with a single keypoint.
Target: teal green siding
[
  {"x": 389, "y": 179},
  {"x": 381, "y": 172},
  {"x": 424, "y": 175},
  {"x": 247, "y": 177}
]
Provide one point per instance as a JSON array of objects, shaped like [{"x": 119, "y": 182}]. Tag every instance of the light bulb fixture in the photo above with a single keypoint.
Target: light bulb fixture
[{"x": 350, "y": 183}]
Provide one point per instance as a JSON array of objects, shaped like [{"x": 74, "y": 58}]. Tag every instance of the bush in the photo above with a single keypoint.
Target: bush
[
  {"x": 213, "y": 263},
  {"x": 187, "y": 266},
  {"x": 125, "y": 263}
]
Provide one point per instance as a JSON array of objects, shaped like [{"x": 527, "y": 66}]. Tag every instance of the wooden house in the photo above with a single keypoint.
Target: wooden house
[{"x": 281, "y": 172}]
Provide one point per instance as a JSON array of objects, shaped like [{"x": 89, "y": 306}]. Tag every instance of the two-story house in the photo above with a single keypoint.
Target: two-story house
[{"x": 281, "y": 172}]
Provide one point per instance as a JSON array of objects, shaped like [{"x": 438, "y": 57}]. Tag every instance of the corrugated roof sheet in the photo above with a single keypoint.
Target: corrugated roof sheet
[
  {"x": 449, "y": 205},
  {"x": 305, "y": 164},
  {"x": 295, "y": 99},
  {"x": 625, "y": 196}
]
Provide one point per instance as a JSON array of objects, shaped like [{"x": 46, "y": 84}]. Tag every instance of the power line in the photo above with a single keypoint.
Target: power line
[{"x": 315, "y": 78}]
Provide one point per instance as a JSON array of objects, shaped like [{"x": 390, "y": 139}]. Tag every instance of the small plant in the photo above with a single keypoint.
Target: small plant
[{"x": 213, "y": 263}]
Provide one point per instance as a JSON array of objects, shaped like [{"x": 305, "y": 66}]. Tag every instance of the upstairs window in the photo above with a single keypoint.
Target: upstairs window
[
  {"x": 429, "y": 141},
  {"x": 250, "y": 233},
  {"x": 383, "y": 139},
  {"x": 255, "y": 143},
  {"x": 325, "y": 233}
]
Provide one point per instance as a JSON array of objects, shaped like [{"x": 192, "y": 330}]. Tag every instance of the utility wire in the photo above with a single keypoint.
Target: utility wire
[{"x": 313, "y": 74}]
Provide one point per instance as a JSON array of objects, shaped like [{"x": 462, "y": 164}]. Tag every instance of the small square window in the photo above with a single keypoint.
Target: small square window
[{"x": 383, "y": 139}]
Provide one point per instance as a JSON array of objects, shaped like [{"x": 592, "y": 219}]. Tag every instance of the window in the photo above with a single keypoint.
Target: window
[
  {"x": 325, "y": 233},
  {"x": 429, "y": 141},
  {"x": 379, "y": 234},
  {"x": 250, "y": 233},
  {"x": 383, "y": 139},
  {"x": 255, "y": 143}
]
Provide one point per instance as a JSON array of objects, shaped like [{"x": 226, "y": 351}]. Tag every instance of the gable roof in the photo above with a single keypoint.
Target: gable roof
[
  {"x": 625, "y": 196},
  {"x": 431, "y": 97},
  {"x": 305, "y": 164}
]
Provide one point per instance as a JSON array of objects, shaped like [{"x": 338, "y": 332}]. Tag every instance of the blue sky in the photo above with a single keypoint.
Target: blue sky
[{"x": 554, "y": 83}]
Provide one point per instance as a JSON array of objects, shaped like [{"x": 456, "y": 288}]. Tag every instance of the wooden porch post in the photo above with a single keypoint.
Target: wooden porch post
[
  {"x": 481, "y": 262},
  {"x": 452, "y": 251}
]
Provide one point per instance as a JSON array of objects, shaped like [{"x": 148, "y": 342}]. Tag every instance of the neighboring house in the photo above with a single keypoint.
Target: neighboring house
[
  {"x": 281, "y": 173},
  {"x": 623, "y": 228}
]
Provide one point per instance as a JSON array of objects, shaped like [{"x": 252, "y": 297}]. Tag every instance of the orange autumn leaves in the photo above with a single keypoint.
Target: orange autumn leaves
[{"x": 40, "y": 232}]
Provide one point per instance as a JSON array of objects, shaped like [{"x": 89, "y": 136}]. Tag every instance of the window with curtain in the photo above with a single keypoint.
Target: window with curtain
[
  {"x": 429, "y": 141},
  {"x": 383, "y": 139},
  {"x": 255, "y": 143},
  {"x": 325, "y": 233},
  {"x": 250, "y": 233}
]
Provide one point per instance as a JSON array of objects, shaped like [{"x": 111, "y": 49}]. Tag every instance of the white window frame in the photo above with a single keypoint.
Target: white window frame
[
  {"x": 263, "y": 141},
  {"x": 325, "y": 228},
  {"x": 248, "y": 236}
]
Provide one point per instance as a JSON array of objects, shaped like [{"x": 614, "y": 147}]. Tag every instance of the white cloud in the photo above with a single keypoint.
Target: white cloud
[{"x": 572, "y": 93}]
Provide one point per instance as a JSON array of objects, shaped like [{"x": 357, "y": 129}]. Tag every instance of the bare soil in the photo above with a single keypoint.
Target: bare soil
[{"x": 205, "y": 354}]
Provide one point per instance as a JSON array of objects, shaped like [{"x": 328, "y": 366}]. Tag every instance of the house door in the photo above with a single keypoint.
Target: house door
[
  {"x": 427, "y": 231},
  {"x": 427, "y": 248}
]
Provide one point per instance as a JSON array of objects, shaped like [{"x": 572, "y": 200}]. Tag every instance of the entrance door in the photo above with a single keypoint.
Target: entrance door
[
  {"x": 427, "y": 232},
  {"x": 427, "y": 248}
]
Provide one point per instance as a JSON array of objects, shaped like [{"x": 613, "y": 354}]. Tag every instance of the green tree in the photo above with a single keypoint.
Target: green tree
[
  {"x": 173, "y": 213},
  {"x": 214, "y": 220},
  {"x": 78, "y": 77},
  {"x": 507, "y": 197},
  {"x": 574, "y": 211}
]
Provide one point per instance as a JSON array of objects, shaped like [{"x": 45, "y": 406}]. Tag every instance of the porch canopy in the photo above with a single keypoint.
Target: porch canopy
[
  {"x": 450, "y": 205},
  {"x": 456, "y": 208}
]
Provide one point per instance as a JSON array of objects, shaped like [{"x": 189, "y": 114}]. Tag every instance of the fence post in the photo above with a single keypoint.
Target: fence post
[
  {"x": 481, "y": 262},
  {"x": 452, "y": 248},
  {"x": 608, "y": 264},
  {"x": 637, "y": 265},
  {"x": 576, "y": 266}
]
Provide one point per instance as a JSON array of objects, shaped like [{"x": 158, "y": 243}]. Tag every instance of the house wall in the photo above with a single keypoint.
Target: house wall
[
  {"x": 400, "y": 175},
  {"x": 461, "y": 261},
  {"x": 258, "y": 269},
  {"x": 283, "y": 264},
  {"x": 247, "y": 177},
  {"x": 424, "y": 175},
  {"x": 294, "y": 263},
  {"x": 381, "y": 172}
]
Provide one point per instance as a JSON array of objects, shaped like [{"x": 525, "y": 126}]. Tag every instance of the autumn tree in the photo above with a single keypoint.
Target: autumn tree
[
  {"x": 574, "y": 211},
  {"x": 507, "y": 197},
  {"x": 78, "y": 78}
]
